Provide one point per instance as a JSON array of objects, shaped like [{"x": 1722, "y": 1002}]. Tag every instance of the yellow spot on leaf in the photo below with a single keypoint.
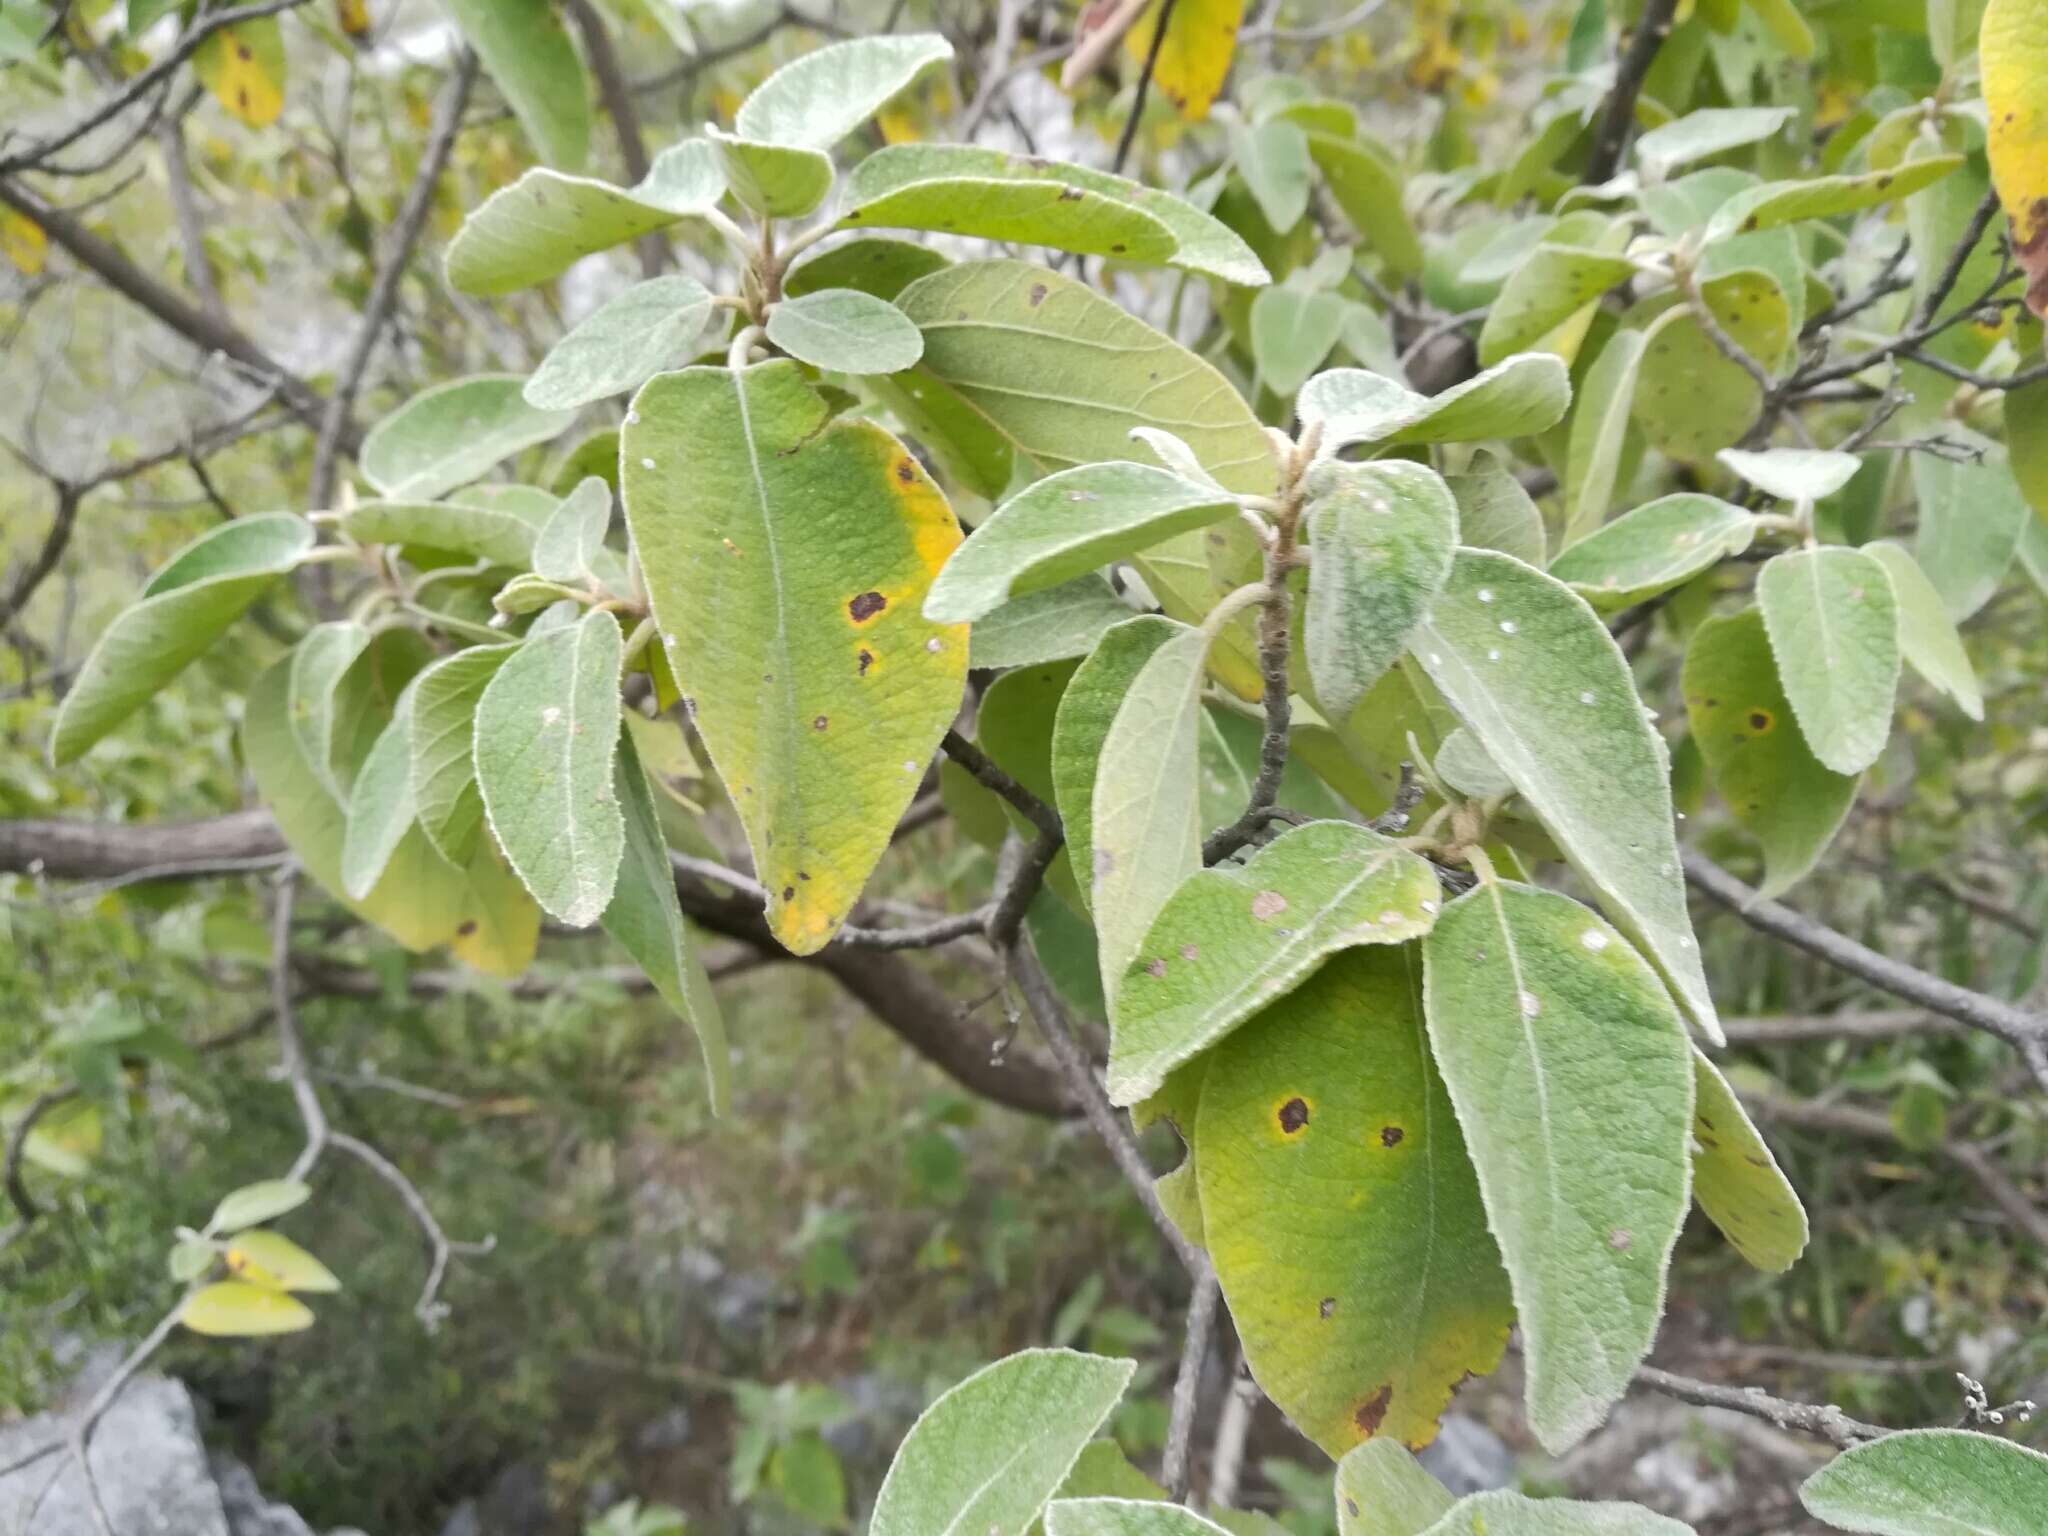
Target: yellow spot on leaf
[
  {"x": 244, "y": 68},
  {"x": 1201, "y": 39}
]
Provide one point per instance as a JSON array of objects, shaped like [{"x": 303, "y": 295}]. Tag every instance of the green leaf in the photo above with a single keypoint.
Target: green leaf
[
  {"x": 1086, "y": 710},
  {"x": 1535, "y": 675},
  {"x": 777, "y": 181},
  {"x": 646, "y": 918},
  {"x": 1367, "y": 188},
  {"x": 1065, "y": 526},
  {"x": 787, "y": 554},
  {"x": 1709, "y": 131},
  {"x": 622, "y": 344},
  {"x": 1382, "y": 536},
  {"x": 1503, "y": 1510},
  {"x": 547, "y": 725},
  {"x": 443, "y": 766},
  {"x": 1273, "y": 159},
  {"x": 449, "y": 435},
  {"x": 187, "y": 605},
  {"x": 1292, "y": 332},
  {"x": 253, "y": 1204},
  {"x": 1689, "y": 399},
  {"x": 381, "y": 808},
  {"x": 967, "y": 190},
  {"x": 1971, "y": 515},
  {"x": 545, "y": 222},
  {"x": 1066, "y": 374},
  {"x": 1658, "y": 546},
  {"x": 1793, "y": 474},
  {"x": 818, "y": 99},
  {"x": 319, "y": 662},
  {"x": 806, "y": 1476},
  {"x": 1232, "y": 939},
  {"x": 965, "y": 444},
  {"x": 234, "y": 1309},
  {"x": 1736, "y": 1179},
  {"x": 1382, "y": 1490},
  {"x": 1834, "y": 628},
  {"x": 1545, "y": 291},
  {"x": 1822, "y": 197},
  {"x": 1462, "y": 763},
  {"x": 1333, "y": 1179},
  {"x": 874, "y": 264},
  {"x": 989, "y": 1453},
  {"x": 526, "y": 50},
  {"x": 1145, "y": 836},
  {"x": 451, "y": 527},
  {"x": 1125, "y": 1517},
  {"x": 1927, "y": 635},
  {"x": 1495, "y": 512},
  {"x": 1517, "y": 398},
  {"x": 1062, "y": 621},
  {"x": 842, "y": 330},
  {"x": 1599, "y": 433},
  {"x": 276, "y": 1262},
  {"x": 1566, "y": 1061},
  {"x": 1779, "y": 792},
  {"x": 188, "y": 1259},
  {"x": 1933, "y": 1482},
  {"x": 570, "y": 545}
]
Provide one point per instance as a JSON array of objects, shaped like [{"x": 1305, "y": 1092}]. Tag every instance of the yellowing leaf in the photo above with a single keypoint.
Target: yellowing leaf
[
  {"x": 1736, "y": 1179},
  {"x": 2013, "y": 50},
  {"x": 22, "y": 238},
  {"x": 1194, "y": 58},
  {"x": 275, "y": 1262},
  {"x": 243, "y": 65},
  {"x": 353, "y": 17},
  {"x": 788, "y": 554},
  {"x": 1341, "y": 1210},
  {"x": 235, "y": 1309}
]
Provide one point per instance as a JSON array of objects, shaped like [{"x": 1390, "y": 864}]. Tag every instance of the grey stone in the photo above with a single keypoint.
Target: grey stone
[
  {"x": 463, "y": 1520},
  {"x": 1467, "y": 1457},
  {"x": 249, "y": 1512},
  {"x": 147, "y": 1462}
]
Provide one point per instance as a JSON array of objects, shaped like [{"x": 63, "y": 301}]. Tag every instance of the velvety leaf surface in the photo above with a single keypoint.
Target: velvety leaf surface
[
  {"x": 1736, "y": 1179},
  {"x": 1382, "y": 536},
  {"x": 1382, "y": 1490},
  {"x": 842, "y": 330},
  {"x": 1065, "y": 526},
  {"x": 645, "y": 917},
  {"x": 1535, "y": 675},
  {"x": 1970, "y": 517},
  {"x": 1462, "y": 763},
  {"x": 1367, "y": 188},
  {"x": 457, "y": 528},
  {"x": 1706, "y": 132},
  {"x": 526, "y": 50},
  {"x": 443, "y": 768},
  {"x": 547, "y": 725},
  {"x": 319, "y": 661},
  {"x": 1599, "y": 434},
  {"x": 1525, "y": 394},
  {"x": 1793, "y": 474},
  {"x": 787, "y": 555},
  {"x": 778, "y": 181},
  {"x": 1125, "y": 1517},
  {"x": 971, "y": 453},
  {"x": 380, "y": 807},
  {"x": 1652, "y": 549},
  {"x": 622, "y": 344},
  {"x": 1087, "y": 709},
  {"x": 265, "y": 1200},
  {"x": 1495, "y": 512},
  {"x": 1232, "y": 939},
  {"x": 1573, "y": 1081},
  {"x": 1822, "y": 197},
  {"x": 965, "y": 189},
  {"x": 570, "y": 544},
  {"x": 1057, "y": 367},
  {"x": 1272, "y": 157},
  {"x": 818, "y": 99},
  {"x": 1927, "y": 635},
  {"x": 1146, "y": 834},
  {"x": 545, "y": 222},
  {"x": 1777, "y": 790},
  {"x": 1834, "y": 628},
  {"x": 875, "y": 264},
  {"x": 989, "y": 1453},
  {"x": 1292, "y": 332},
  {"x": 1062, "y": 621},
  {"x": 449, "y": 435},
  {"x": 1341, "y": 1210},
  {"x": 1690, "y": 400},
  {"x": 1503, "y": 1510},
  {"x": 184, "y": 608},
  {"x": 1546, "y": 290},
  {"x": 1933, "y": 1482}
]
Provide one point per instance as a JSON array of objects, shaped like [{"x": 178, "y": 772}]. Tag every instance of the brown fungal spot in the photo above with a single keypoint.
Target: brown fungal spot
[
  {"x": 1189, "y": 951},
  {"x": 1759, "y": 720},
  {"x": 1156, "y": 969},
  {"x": 867, "y": 659},
  {"x": 1268, "y": 905},
  {"x": 820, "y": 723},
  {"x": 803, "y": 874},
  {"x": 1329, "y": 1305},
  {"x": 1390, "y": 1135},
  {"x": 1293, "y": 1115},
  {"x": 1350, "y": 1506},
  {"x": 1373, "y": 1410},
  {"x": 1118, "y": 249},
  {"x": 1037, "y": 295},
  {"x": 906, "y": 471},
  {"x": 789, "y": 893},
  {"x": 467, "y": 928},
  {"x": 865, "y": 606},
  {"x": 1621, "y": 1239}
]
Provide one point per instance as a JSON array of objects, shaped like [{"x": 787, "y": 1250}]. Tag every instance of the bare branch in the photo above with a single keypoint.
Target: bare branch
[
  {"x": 1174, "y": 1468},
  {"x": 1634, "y": 68},
  {"x": 291, "y": 1050},
  {"x": 1825, "y": 1421},
  {"x": 429, "y": 1309}
]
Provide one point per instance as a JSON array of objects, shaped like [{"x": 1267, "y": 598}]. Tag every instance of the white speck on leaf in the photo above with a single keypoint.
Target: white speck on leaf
[{"x": 1593, "y": 939}]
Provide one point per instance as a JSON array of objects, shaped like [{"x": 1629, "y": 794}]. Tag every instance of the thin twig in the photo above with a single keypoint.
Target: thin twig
[
  {"x": 429, "y": 1309},
  {"x": 1615, "y": 123},
  {"x": 291, "y": 1049},
  {"x": 1175, "y": 1468},
  {"x": 1824, "y": 1420},
  {"x": 1130, "y": 133}
]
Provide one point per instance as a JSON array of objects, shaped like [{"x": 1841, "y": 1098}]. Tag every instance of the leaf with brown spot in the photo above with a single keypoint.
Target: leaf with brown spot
[
  {"x": 1736, "y": 1179},
  {"x": 1361, "y": 1275}
]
